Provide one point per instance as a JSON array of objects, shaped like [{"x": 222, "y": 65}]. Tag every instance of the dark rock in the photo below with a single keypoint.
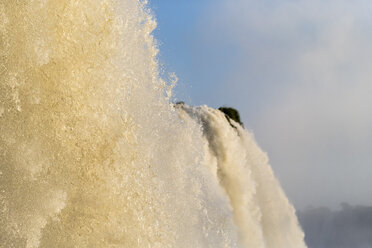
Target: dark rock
[{"x": 232, "y": 114}]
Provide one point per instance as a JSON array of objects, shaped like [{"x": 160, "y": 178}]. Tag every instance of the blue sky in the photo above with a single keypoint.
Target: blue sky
[{"x": 300, "y": 74}]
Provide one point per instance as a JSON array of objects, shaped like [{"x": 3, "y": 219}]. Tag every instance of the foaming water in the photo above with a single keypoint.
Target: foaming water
[
  {"x": 93, "y": 154},
  {"x": 261, "y": 210}
]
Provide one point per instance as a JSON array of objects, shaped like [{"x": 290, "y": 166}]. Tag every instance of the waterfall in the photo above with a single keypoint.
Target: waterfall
[{"x": 93, "y": 154}]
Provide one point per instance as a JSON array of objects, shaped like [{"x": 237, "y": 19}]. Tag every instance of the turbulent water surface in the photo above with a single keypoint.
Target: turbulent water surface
[{"x": 93, "y": 154}]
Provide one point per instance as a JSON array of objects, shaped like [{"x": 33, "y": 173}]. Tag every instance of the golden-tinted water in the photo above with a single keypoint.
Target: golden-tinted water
[{"x": 92, "y": 154}]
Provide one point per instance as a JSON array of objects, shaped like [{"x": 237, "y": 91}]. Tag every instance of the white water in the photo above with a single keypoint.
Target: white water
[{"x": 92, "y": 154}]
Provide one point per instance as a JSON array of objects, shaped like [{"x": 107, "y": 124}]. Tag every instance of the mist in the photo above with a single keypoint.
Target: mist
[
  {"x": 298, "y": 72},
  {"x": 348, "y": 227}
]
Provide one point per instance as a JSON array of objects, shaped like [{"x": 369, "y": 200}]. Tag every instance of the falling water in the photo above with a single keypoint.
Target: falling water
[{"x": 93, "y": 154}]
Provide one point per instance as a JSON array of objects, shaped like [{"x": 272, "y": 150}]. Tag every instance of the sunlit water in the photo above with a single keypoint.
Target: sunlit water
[{"x": 93, "y": 154}]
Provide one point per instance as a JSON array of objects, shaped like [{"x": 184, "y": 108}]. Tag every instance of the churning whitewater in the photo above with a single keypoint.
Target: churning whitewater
[{"x": 93, "y": 153}]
